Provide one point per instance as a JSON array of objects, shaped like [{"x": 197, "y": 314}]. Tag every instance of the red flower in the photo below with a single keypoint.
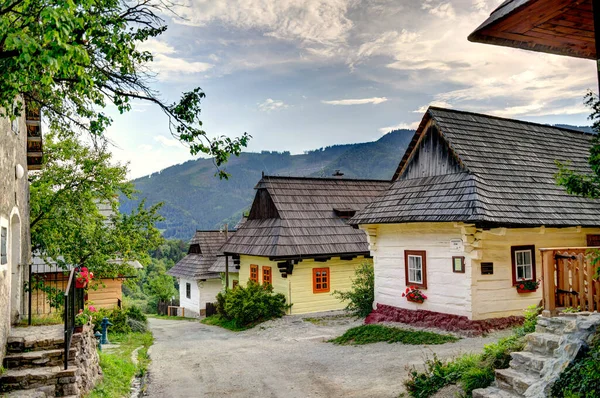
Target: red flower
[
  {"x": 522, "y": 286},
  {"x": 403, "y": 294},
  {"x": 407, "y": 289}
]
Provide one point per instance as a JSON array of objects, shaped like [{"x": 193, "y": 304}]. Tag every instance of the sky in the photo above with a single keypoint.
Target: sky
[{"x": 303, "y": 74}]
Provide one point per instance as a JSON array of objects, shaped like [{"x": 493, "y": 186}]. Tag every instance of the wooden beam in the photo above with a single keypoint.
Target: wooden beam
[{"x": 548, "y": 282}]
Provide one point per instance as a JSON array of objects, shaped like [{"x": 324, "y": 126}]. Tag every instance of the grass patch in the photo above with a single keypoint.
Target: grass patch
[
  {"x": 171, "y": 318},
  {"x": 218, "y": 320},
  {"x": 42, "y": 320},
  {"x": 118, "y": 367},
  {"x": 367, "y": 334}
]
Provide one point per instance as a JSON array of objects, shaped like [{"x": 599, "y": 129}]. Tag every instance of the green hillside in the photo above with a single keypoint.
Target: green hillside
[{"x": 195, "y": 199}]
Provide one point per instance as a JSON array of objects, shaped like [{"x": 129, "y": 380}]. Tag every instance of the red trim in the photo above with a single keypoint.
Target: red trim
[
  {"x": 254, "y": 273},
  {"x": 267, "y": 275},
  {"x": 423, "y": 255},
  {"x": 514, "y": 249},
  {"x": 321, "y": 280}
]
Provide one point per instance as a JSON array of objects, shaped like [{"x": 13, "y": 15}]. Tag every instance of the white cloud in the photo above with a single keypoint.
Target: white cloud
[
  {"x": 168, "y": 142},
  {"x": 362, "y": 101},
  {"x": 316, "y": 21},
  {"x": 440, "y": 104},
  {"x": 270, "y": 104},
  {"x": 399, "y": 126},
  {"x": 166, "y": 65}
]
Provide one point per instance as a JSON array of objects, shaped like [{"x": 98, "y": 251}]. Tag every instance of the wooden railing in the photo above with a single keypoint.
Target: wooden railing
[{"x": 568, "y": 279}]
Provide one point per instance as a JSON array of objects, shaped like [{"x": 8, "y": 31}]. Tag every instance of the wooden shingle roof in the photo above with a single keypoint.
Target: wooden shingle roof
[
  {"x": 294, "y": 217},
  {"x": 197, "y": 265},
  {"x": 506, "y": 176}
]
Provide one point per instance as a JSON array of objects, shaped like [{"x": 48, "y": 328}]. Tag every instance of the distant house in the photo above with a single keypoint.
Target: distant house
[
  {"x": 20, "y": 152},
  {"x": 102, "y": 292},
  {"x": 199, "y": 272},
  {"x": 297, "y": 238},
  {"x": 471, "y": 202}
]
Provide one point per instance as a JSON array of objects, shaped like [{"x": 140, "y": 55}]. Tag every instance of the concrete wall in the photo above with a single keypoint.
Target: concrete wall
[
  {"x": 447, "y": 292},
  {"x": 14, "y": 215},
  {"x": 298, "y": 287}
]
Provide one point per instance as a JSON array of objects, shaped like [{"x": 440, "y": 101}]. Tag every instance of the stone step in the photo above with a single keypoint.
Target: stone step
[
  {"x": 514, "y": 381},
  {"x": 555, "y": 325},
  {"x": 38, "y": 338},
  {"x": 34, "y": 359},
  {"x": 542, "y": 343},
  {"x": 528, "y": 361},
  {"x": 494, "y": 392},
  {"x": 27, "y": 379}
]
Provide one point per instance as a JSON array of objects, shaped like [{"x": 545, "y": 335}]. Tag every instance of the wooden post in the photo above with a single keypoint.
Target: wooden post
[
  {"x": 548, "y": 282},
  {"x": 226, "y": 261}
]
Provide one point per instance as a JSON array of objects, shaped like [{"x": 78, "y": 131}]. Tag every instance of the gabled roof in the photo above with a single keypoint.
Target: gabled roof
[
  {"x": 294, "y": 217},
  {"x": 197, "y": 265},
  {"x": 563, "y": 27},
  {"x": 506, "y": 177}
]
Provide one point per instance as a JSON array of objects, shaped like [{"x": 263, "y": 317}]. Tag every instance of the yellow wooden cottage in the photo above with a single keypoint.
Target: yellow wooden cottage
[
  {"x": 471, "y": 202},
  {"x": 297, "y": 238}
]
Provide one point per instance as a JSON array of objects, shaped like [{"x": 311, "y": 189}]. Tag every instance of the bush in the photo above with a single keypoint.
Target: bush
[
  {"x": 472, "y": 370},
  {"x": 582, "y": 377},
  {"x": 362, "y": 294},
  {"x": 251, "y": 304},
  {"x": 134, "y": 312},
  {"x": 137, "y": 326}
]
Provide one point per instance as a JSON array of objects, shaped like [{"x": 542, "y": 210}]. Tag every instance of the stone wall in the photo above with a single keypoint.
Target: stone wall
[
  {"x": 87, "y": 362},
  {"x": 14, "y": 216}
]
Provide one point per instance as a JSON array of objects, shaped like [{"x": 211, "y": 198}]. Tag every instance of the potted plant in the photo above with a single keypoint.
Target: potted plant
[
  {"x": 80, "y": 320},
  {"x": 524, "y": 286},
  {"x": 83, "y": 277},
  {"x": 415, "y": 295}
]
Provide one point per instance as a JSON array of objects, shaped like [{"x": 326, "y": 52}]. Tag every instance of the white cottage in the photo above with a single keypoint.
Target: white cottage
[
  {"x": 471, "y": 202},
  {"x": 198, "y": 284}
]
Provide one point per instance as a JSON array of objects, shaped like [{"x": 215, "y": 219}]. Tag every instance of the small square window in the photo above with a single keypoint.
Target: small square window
[{"x": 321, "y": 280}]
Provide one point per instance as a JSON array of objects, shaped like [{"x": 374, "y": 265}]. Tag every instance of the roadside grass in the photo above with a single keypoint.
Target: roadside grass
[
  {"x": 42, "y": 320},
  {"x": 218, "y": 320},
  {"x": 118, "y": 366},
  {"x": 368, "y": 334},
  {"x": 171, "y": 318},
  {"x": 324, "y": 320}
]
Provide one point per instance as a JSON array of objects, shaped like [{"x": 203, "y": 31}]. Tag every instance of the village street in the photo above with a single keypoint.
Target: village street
[{"x": 281, "y": 358}]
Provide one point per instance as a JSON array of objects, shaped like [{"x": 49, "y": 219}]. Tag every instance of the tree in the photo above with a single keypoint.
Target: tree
[
  {"x": 72, "y": 58},
  {"x": 587, "y": 185},
  {"x": 75, "y": 218},
  {"x": 362, "y": 294}
]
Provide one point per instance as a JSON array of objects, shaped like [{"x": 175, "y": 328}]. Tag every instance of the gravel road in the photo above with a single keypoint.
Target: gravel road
[{"x": 283, "y": 358}]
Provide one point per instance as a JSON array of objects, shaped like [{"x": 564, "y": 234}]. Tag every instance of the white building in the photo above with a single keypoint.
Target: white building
[{"x": 198, "y": 284}]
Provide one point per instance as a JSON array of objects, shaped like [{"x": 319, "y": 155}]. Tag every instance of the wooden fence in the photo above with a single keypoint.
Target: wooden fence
[{"x": 569, "y": 279}]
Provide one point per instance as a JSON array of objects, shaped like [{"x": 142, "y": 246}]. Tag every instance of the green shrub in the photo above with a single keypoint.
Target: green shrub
[
  {"x": 531, "y": 313},
  {"x": 134, "y": 312},
  {"x": 475, "y": 377},
  {"x": 362, "y": 294},
  {"x": 251, "y": 304},
  {"x": 582, "y": 377},
  {"x": 116, "y": 316}
]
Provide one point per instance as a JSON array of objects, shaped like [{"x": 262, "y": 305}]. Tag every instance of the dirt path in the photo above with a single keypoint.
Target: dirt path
[{"x": 282, "y": 358}]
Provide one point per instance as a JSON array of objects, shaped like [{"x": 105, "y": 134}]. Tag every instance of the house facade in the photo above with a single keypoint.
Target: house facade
[
  {"x": 297, "y": 238},
  {"x": 20, "y": 151},
  {"x": 198, "y": 284},
  {"x": 472, "y": 202}
]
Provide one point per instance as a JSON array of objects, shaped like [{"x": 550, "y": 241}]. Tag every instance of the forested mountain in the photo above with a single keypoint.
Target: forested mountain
[{"x": 195, "y": 199}]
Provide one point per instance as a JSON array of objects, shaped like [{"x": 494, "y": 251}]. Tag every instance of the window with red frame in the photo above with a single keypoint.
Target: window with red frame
[
  {"x": 254, "y": 273},
  {"x": 320, "y": 280},
  {"x": 267, "y": 275}
]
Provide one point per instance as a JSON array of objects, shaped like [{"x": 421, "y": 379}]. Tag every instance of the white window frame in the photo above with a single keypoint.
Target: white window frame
[
  {"x": 411, "y": 256},
  {"x": 524, "y": 265}
]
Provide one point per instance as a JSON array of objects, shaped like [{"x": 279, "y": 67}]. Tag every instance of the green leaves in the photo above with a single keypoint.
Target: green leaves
[
  {"x": 70, "y": 58},
  {"x": 75, "y": 218}
]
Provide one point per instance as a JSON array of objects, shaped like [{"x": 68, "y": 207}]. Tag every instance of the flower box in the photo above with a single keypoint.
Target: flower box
[
  {"x": 519, "y": 290},
  {"x": 416, "y": 300}
]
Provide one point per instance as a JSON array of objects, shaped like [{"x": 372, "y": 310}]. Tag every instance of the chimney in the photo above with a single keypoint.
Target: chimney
[{"x": 337, "y": 173}]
